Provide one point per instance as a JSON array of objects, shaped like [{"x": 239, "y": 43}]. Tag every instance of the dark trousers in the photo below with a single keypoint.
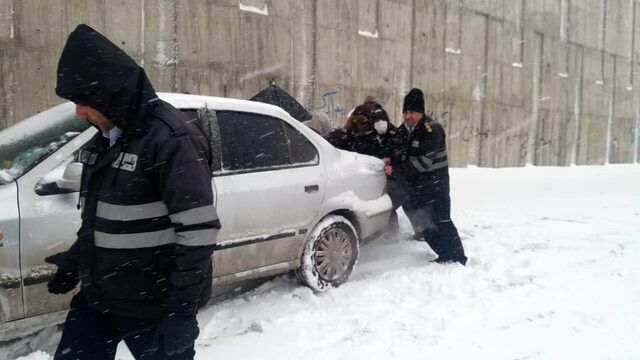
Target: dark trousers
[
  {"x": 397, "y": 192},
  {"x": 433, "y": 220},
  {"x": 91, "y": 334}
]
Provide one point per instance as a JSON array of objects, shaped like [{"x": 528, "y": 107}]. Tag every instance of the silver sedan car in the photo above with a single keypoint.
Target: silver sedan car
[{"x": 308, "y": 213}]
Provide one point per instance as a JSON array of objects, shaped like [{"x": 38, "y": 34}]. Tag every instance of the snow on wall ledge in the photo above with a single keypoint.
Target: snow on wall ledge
[
  {"x": 254, "y": 9},
  {"x": 368, "y": 34}
]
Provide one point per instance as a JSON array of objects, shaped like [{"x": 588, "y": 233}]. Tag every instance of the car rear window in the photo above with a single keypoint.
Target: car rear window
[{"x": 302, "y": 151}]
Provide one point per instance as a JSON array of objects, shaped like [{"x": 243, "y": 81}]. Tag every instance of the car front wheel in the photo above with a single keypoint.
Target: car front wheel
[{"x": 330, "y": 254}]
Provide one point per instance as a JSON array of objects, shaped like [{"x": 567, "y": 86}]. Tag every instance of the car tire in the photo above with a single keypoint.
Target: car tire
[{"x": 330, "y": 254}]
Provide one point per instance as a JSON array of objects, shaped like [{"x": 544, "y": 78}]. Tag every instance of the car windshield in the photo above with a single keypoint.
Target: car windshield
[{"x": 27, "y": 143}]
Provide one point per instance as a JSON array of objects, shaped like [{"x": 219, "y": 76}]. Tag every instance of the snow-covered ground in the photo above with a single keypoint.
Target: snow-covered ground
[{"x": 554, "y": 273}]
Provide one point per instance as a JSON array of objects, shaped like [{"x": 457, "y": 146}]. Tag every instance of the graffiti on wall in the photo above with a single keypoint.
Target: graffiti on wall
[
  {"x": 469, "y": 132},
  {"x": 329, "y": 104}
]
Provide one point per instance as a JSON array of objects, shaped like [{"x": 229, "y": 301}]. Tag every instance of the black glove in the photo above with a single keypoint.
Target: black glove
[
  {"x": 176, "y": 334},
  {"x": 66, "y": 277}
]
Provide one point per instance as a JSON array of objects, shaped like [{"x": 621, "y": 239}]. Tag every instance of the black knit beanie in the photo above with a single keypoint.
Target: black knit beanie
[{"x": 414, "y": 101}]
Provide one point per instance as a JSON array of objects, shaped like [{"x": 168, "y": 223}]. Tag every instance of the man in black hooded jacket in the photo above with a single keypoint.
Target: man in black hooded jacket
[
  {"x": 421, "y": 162},
  {"x": 143, "y": 252}
]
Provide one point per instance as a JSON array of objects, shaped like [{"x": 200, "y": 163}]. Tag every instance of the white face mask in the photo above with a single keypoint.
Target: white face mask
[{"x": 380, "y": 126}]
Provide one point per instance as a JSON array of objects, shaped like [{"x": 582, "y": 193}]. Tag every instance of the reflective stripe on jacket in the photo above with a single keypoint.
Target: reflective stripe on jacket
[
  {"x": 146, "y": 198},
  {"x": 422, "y": 160}
]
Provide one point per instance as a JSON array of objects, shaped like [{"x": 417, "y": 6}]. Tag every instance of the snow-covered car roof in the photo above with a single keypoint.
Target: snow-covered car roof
[
  {"x": 219, "y": 103},
  {"x": 189, "y": 101}
]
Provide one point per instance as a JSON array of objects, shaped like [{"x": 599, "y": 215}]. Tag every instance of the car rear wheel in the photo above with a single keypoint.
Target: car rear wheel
[{"x": 330, "y": 254}]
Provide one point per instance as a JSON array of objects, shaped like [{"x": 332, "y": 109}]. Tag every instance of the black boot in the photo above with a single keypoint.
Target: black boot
[{"x": 444, "y": 261}]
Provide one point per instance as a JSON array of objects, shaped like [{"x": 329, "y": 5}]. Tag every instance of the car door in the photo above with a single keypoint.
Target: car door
[
  {"x": 269, "y": 189},
  {"x": 11, "y": 306},
  {"x": 49, "y": 217}
]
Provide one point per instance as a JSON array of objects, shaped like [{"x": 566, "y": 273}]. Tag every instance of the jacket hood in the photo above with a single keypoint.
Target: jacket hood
[{"x": 95, "y": 72}]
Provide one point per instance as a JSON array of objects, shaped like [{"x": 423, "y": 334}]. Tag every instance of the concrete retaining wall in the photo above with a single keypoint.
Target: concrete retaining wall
[{"x": 546, "y": 82}]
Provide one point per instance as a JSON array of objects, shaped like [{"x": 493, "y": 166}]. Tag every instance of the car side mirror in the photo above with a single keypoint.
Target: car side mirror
[{"x": 70, "y": 179}]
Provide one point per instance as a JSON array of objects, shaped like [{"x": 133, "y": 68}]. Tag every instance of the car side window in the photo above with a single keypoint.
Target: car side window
[
  {"x": 302, "y": 151},
  {"x": 252, "y": 141}
]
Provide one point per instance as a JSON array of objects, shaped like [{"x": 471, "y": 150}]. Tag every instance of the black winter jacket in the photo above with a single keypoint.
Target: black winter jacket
[
  {"x": 341, "y": 139},
  {"x": 421, "y": 160},
  {"x": 374, "y": 144},
  {"x": 148, "y": 221}
]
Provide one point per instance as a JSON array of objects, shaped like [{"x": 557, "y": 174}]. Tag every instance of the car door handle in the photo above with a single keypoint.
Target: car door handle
[{"x": 311, "y": 188}]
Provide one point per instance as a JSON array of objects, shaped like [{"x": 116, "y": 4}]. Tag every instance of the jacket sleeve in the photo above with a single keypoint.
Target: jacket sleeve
[
  {"x": 184, "y": 181},
  {"x": 435, "y": 148},
  {"x": 396, "y": 143},
  {"x": 390, "y": 143},
  {"x": 430, "y": 153}
]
